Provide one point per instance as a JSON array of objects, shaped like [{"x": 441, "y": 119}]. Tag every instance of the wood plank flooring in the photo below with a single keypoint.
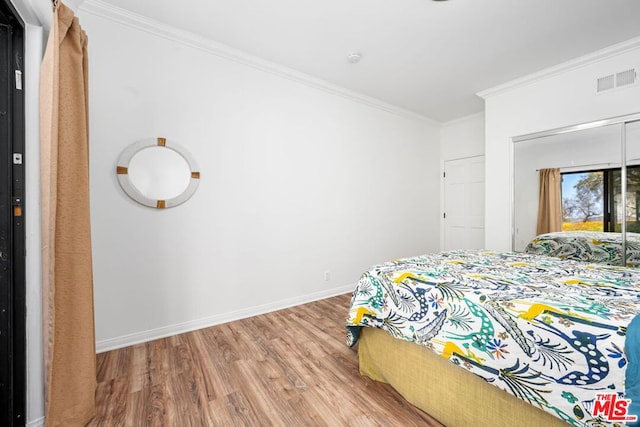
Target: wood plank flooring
[{"x": 286, "y": 368}]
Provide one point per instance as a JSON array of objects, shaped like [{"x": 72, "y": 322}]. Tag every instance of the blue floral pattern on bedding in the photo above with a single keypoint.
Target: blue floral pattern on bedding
[
  {"x": 548, "y": 331},
  {"x": 604, "y": 248}
]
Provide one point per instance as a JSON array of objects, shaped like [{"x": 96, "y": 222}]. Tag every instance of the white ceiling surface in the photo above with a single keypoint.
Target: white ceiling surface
[{"x": 425, "y": 56}]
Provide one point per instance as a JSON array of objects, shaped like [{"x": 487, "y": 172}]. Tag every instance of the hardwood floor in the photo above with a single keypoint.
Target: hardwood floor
[{"x": 286, "y": 368}]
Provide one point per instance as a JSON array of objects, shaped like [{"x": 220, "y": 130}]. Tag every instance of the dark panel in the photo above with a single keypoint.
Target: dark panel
[{"x": 12, "y": 232}]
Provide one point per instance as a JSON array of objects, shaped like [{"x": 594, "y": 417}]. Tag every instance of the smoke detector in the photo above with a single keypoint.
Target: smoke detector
[{"x": 354, "y": 57}]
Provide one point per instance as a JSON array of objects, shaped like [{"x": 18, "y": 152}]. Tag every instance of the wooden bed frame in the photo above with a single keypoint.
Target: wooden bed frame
[{"x": 449, "y": 393}]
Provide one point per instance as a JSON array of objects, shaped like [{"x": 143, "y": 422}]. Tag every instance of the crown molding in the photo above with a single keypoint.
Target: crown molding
[
  {"x": 133, "y": 20},
  {"x": 464, "y": 119},
  {"x": 574, "y": 64}
]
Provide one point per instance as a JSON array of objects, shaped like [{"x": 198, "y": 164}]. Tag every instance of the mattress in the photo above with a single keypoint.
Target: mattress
[
  {"x": 604, "y": 248},
  {"x": 549, "y": 332}
]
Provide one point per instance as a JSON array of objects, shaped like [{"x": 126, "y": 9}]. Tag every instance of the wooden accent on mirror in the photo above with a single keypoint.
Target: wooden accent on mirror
[{"x": 290, "y": 368}]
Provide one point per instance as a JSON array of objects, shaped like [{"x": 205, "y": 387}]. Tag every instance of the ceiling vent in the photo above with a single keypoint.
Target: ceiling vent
[{"x": 623, "y": 78}]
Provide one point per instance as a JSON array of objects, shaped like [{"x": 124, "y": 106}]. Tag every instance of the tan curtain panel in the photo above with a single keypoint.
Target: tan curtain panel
[
  {"x": 70, "y": 366},
  {"x": 550, "y": 201}
]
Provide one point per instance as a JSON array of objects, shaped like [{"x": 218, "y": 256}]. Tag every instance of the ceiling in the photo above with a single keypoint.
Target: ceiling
[{"x": 430, "y": 57}]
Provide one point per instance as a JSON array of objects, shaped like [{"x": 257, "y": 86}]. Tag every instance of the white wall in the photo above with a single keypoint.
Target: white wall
[
  {"x": 562, "y": 96},
  {"x": 296, "y": 181},
  {"x": 463, "y": 137},
  {"x": 33, "y": 260}
]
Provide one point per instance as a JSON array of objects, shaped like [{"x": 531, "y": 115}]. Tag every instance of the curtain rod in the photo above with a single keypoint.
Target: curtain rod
[{"x": 592, "y": 165}]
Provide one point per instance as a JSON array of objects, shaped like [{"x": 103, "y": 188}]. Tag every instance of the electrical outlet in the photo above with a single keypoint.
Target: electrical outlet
[{"x": 327, "y": 276}]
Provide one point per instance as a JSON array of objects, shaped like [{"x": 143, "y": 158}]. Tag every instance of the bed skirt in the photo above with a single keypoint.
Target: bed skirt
[{"x": 445, "y": 391}]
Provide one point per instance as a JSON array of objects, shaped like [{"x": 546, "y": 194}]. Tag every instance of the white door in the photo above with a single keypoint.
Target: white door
[{"x": 463, "y": 219}]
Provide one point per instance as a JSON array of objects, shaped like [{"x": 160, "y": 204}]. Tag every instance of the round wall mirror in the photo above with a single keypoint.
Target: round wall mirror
[{"x": 157, "y": 173}]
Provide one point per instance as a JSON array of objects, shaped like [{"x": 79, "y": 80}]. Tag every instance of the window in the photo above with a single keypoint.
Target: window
[{"x": 591, "y": 200}]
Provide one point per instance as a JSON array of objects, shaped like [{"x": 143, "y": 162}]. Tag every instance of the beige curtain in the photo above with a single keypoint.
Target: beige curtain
[
  {"x": 550, "y": 201},
  {"x": 70, "y": 367}
]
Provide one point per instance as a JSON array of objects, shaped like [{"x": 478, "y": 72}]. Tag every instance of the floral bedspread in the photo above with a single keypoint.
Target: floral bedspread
[
  {"x": 548, "y": 331},
  {"x": 587, "y": 246}
]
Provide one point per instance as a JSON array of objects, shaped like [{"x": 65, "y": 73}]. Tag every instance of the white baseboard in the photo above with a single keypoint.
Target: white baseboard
[
  {"x": 39, "y": 422},
  {"x": 166, "y": 331}
]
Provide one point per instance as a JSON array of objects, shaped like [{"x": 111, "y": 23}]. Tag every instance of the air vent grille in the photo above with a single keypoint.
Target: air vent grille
[
  {"x": 606, "y": 83},
  {"x": 626, "y": 78},
  {"x": 623, "y": 78}
]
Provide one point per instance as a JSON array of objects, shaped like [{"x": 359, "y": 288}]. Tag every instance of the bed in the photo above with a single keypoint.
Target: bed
[
  {"x": 544, "y": 337},
  {"x": 587, "y": 246}
]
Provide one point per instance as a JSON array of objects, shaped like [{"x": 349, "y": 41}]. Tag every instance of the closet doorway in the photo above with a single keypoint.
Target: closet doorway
[
  {"x": 601, "y": 161},
  {"x": 12, "y": 231}
]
